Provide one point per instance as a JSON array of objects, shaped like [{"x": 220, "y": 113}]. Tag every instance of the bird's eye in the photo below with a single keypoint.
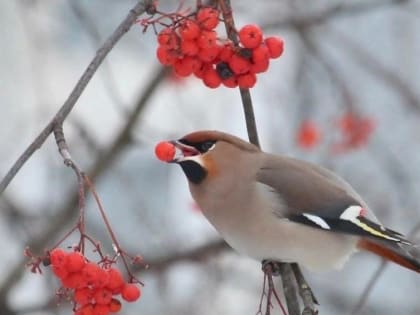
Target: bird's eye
[{"x": 206, "y": 146}]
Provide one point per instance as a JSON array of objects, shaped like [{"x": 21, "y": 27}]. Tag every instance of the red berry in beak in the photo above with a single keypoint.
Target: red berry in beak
[{"x": 165, "y": 151}]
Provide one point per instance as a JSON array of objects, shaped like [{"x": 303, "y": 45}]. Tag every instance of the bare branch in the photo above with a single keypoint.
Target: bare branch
[
  {"x": 308, "y": 297},
  {"x": 289, "y": 287},
  {"x": 68, "y": 105},
  {"x": 196, "y": 254}
]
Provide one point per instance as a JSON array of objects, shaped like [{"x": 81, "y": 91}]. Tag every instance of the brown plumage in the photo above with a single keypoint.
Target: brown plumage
[{"x": 275, "y": 207}]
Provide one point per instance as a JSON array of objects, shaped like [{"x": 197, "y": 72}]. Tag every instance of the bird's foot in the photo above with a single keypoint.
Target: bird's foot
[
  {"x": 271, "y": 266},
  {"x": 270, "y": 269}
]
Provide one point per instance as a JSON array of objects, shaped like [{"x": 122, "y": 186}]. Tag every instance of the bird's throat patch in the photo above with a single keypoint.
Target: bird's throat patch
[{"x": 194, "y": 171}]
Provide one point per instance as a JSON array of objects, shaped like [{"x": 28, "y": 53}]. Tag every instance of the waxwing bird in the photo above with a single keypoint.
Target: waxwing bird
[{"x": 272, "y": 207}]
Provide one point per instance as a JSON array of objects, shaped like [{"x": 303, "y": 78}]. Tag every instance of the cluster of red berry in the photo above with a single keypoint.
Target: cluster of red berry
[
  {"x": 94, "y": 287},
  {"x": 192, "y": 46},
  {"x": 355, "y": 132}
]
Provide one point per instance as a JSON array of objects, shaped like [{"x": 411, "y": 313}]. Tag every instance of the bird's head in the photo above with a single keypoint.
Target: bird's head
[{"x": 206, "y": 155}]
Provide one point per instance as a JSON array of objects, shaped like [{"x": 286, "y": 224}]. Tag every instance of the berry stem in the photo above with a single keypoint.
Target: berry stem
[
  {"x": 108, "y": 226},
  {"x": 66, "y": 236},
  {"x": 69, "y": 162},
  {"x": 231, "y": 32},
  {"x": 93, "y": 242}
]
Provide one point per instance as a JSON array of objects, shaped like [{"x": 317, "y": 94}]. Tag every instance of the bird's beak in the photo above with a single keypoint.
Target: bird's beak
[{"x": 183, "y": 152}]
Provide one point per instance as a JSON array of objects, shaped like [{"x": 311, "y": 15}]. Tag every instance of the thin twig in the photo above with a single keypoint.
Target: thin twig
[
  {"x": 308, "y": 298},
  {"x": 68, "y": 161},
  {"x": 196, "y": 254},
  {"x": 111, "y": 233},
  {"x": 289, "y": 287},
  {"x": 68, "y": 105}
]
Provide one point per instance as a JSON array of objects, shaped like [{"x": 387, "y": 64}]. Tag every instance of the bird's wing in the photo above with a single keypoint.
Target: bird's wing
[{"x": 314, "y": 196}]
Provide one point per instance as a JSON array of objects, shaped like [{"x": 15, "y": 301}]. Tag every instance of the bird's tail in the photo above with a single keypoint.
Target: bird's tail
[{"x": 406, "y": 255}]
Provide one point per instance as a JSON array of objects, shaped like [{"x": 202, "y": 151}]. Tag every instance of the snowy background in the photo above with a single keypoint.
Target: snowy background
[{"x": 340, "y": 56}]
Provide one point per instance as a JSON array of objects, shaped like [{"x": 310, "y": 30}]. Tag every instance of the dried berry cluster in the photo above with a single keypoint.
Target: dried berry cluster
[
  {"x": 192, "y": 46},
  {"x": 94, "y": 287}
]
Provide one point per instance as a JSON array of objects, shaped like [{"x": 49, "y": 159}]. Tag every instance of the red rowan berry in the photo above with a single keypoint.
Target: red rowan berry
[
  {"x": 209, "y": 54},
  {"x": 247, "y": 80},
  {"x": 74, "y": 280},
  {"x": 102, "y": 279},
  {"x": 130, "y": 292},
  {"x": 86, "y": 309},
  {"x": 101, "y": 309},
  {"x": 211, "y": 78},
  {"x": 60, "y": 271},
  {"x": 102, "y": 296},
  {"x": 168, "y": 38},
  {"x": 275, "y": 46},
  {"x": 231, "y": 82},
  {"x": 207, "y": 39},
  {"x": 189, "y": 30},
  {"x": 75, "y": 261},
  {"x": 186, "y": 66},
  {"x": 260, "y": 53},
  {"x": 226, "y": 52},
  {"x": 58, "y": 257},
  {"x": 208, "y": 18},
  {"x": 189, "y": 47},
  {"x": 250, "y": 36},
  {"x": 260, "y": 66},
  {"x": 90, "y": 273},
  {"x": 83, "y": 296},
  {"x": 199, "y": 72},
  {"x": 116, "y": 280},
  {"x": 165, "y": 152},
  {"x": 165, "y": 56},
  {"x": 114, "y": 306},
  {"x": 239, "y": 65}
]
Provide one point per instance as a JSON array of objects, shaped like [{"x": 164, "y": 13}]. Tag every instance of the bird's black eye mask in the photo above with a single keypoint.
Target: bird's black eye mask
[
  {"x": 193, "y": 168},
  {"x": 202, "y": 147}
]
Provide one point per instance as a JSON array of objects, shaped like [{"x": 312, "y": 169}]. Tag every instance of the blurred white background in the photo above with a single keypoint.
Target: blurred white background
[{"x": 341, "y": 56}]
